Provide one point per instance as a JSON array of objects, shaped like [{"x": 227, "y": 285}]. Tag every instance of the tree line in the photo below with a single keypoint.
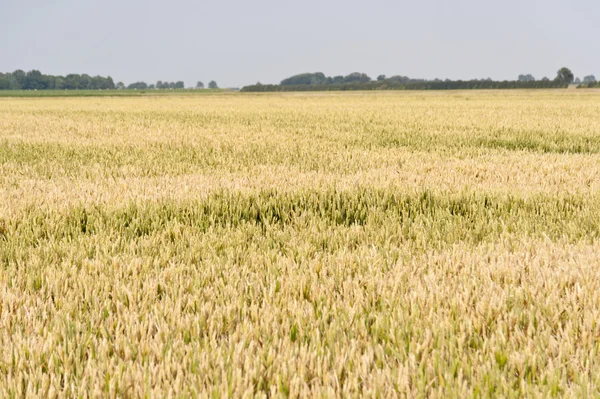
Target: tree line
[
  {"x": 35, "y": 80},
  {"x": 361, "y": 81},
  {"x": 423, "y": 85},
  {"x": 319, "y": 78},
  {"x": 160, "y": 85},
  {"x": 167, "y": 85}
]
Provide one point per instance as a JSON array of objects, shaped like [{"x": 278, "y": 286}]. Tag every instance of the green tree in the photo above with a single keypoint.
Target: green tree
[
  {"x": 398, "y": 79},
  {"x": 20, "y": 79},
  {"x": 110, "y": 83},
  {"x": 380, "y": 78},
  {"x": 4, "y": 83},
  {"x": 589, "y": 79},
  {"x": 199, "y": 85},
  {"x": 357, "y": 77},
  {"x": 86, "y": 81},
  {"x": 316, "y": 78},
  {"x": 526, "y": 78},
  {"x": 59, "y": 83},
  {"x": 34, "y": 81},
  {"x": 565, "y": 76},
  {"x": 138, "y": 86},
  {"x": 213, "y": 85},
  {"x": 73, "y": 82}
]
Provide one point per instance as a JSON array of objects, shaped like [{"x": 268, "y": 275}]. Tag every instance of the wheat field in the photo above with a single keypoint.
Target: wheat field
[{"x": 420, "y": 244}]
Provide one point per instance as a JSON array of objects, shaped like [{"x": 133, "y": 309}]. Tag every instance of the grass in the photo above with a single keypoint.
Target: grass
[{"x": 356, "y": 244}]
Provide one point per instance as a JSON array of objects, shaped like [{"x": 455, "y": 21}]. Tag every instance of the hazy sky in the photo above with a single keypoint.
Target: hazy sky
[{"x": 238, "y": 42}]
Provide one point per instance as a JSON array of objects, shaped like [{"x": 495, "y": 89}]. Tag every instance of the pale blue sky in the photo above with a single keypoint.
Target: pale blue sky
[{"x": 241, "y": 42}]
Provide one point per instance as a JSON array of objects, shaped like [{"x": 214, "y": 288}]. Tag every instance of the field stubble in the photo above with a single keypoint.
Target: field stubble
[{"x": 422, "y": 244}]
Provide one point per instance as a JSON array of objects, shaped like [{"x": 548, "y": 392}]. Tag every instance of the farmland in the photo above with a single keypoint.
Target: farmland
[{"x": 315, "y": 244}]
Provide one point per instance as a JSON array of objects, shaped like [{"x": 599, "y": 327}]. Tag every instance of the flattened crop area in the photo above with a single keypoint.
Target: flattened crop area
[{"x": 361, "y": 244}]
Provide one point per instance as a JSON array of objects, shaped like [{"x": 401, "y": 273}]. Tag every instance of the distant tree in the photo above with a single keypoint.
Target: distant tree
[
  {"x": 72, "y": 81},
  {"x": 564, "y": 76},
  {"x": 545, "y": 79},
  {"x": 34, "y": 81},
  {"x": 170, "y": 85},
  {"x": 316, "y": 78},
  {"x": 120, "y": 85},
  {"x": 138, "y": 86},
  {"x": 526, "y": 78},
  {"x": 213, "y": 85},
  {"x": 151, "y": 86},
  {"x": 577, "y": 81},
  {"x": 20, "y": 78},
  {"x": 199, "y": 85},
  {"x": 357, "y": 77},
  {"x": 98, "y": 83},
  {"x": 399, "y": 79},
  {"x": 92, "y": 83},
  {"x": 4, "y": 83},
  {"x": 58, "y": 82},
  {"x": 380, "y": 78},
  {"x": 14, "y": 84},
  {"x": 86, "y": 81},
  {"x": 589, "y": 79},
  {"x": 338, "y": 79}
]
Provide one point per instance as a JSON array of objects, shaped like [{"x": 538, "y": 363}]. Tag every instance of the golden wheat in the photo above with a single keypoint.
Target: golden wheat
[{"x": 380, "y": 244}]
